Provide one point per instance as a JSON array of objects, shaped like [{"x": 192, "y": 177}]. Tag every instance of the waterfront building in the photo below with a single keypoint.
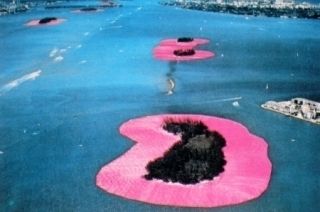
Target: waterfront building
[{"x": 301, "y": 108}]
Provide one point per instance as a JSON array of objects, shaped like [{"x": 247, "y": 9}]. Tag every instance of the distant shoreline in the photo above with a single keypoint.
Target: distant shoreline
[
  {"x": 23, "y": 6},
  {"x": 307, "y": 11}
]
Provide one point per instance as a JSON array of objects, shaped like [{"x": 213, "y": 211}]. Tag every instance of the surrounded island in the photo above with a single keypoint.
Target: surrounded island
[
  {"x": 270, "y": 8},
  {"x": 181, "y": 49},
  {"x": 300, "y": 108},
  {"x": 204, "y": 174}
]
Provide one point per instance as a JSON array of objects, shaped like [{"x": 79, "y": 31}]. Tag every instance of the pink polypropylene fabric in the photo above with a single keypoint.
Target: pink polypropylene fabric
[
  {"x": 51, "y": 23},
  {"x": 246, "y": 176},
  {"x": 174, "y": 42},
  {"x": 166, "y": 53}
]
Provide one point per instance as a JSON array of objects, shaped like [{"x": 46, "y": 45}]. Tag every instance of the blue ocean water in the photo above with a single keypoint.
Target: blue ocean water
[{"x": 58, "y": 127}]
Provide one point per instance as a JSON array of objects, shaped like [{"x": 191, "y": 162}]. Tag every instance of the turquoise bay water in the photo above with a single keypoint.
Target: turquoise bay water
[{"x": 58, "y": 130}]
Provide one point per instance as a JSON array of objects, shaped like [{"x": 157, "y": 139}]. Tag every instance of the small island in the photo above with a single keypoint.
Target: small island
[
  {"x": 181, "y": 49},
  {"x": 269, "y": 8},
  {"x": 300, "y": 108},
  {"x": 188, "y": 160}
]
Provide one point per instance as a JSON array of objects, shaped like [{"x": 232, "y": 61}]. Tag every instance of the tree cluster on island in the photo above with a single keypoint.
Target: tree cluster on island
[
  {"x": 196, "y": 157},
  {"x": 47, "y": 20},
  {"x": 184, "y": 52}
]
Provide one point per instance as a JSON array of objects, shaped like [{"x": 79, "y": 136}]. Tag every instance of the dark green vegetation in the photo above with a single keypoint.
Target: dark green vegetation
[
  {"x": 184, "y": 52},
  {"x": 47, "y": 20},
  {"x": 88, "y": 9},
  {"x": 185, "y": 39},
  {"x": 196, "y": 157}
]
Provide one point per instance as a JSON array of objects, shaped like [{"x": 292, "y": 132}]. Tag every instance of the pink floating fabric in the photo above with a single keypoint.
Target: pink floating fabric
[
  {"x": 246, "y": 176},
  {"x": 174, "y": 42},
  {"x": 166, "y": 53},
  {"x": 51, "y": 23}
]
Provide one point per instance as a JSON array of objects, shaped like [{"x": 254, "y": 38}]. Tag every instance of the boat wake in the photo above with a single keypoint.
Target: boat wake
[{"x": 15, "y": 83}]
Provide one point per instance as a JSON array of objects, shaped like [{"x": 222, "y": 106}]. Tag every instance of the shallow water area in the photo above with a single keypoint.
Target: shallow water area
[{"x": 58, "y": 127}]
